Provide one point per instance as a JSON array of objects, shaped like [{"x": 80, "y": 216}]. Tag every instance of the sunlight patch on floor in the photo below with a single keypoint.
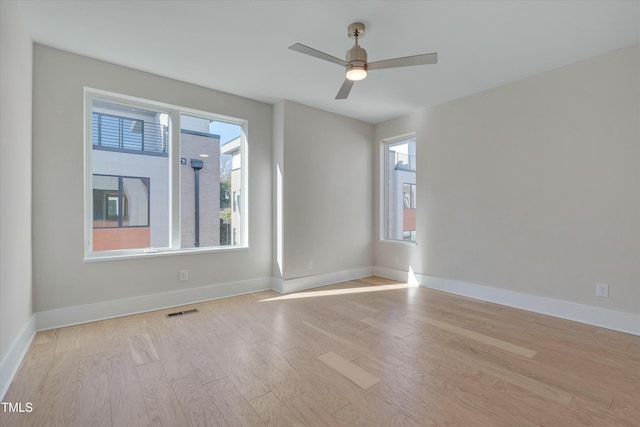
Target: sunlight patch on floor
[{"x": 332, "y": 292}]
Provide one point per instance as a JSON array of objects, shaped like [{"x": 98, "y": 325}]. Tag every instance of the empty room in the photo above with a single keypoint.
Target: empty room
[{"x": 319, "y": 213}]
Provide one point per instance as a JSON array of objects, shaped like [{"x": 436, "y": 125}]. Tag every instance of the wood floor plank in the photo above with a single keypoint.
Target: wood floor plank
[
  {"x": 302, "y": 411},
  {"x": 323, "y": 390},
  {"x": 396, "y": 332},
  {"x": 116, "y": 337},
  {"x": 522, "y": 351},
  {"x": 271, "y": 410},
  {"x": 544, "y": 411},
  {"x": 625, "y": 407},
  {"x": 248, "y": 384},
  {"x": 402, "y": 420},
  {"x": 57, "y": 406},
  {"x": 93, "y": 404},
  {"x": 359, "y": 376},
  {"x": 27, "y": 386},
  {"x": 161, "y": 402},
  {"x": 125, "y": 393},
  {"x": 483, "y": 399},
  {"x": 409, "y": 395},
  {"x": 197, "y": 353},
  {"x": 358, "y": 406},
  {"x": 501, "y": 372},
  {"x": 282, "y": 384},
  {"x": 599, "y": 414},
  {"x": 197, "y": 404},
  {"x": 170, "y": 355},
  {"x": 578, "y": 385},
  {"x": 349, "y": 343},
  {"x": 235, "y": 409},
  {"x": 92, "y": 339},
  {"x": 362, "y": 345},
  {"x": 143, "y": 349}
]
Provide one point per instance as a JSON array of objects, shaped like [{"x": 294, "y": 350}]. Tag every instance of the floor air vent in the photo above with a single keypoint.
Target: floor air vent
[{"x": 180, "y": 313}]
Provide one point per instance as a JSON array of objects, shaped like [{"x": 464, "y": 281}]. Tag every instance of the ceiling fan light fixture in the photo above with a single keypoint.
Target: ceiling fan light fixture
[
  {"x": 356, "y": 72},
  {"x": 357, "y": 60}
]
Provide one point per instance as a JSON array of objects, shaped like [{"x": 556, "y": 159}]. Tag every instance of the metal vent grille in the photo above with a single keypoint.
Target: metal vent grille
[{"x": 180, "y": 313}]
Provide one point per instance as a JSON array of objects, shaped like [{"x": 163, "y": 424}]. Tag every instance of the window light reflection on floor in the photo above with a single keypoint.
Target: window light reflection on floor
[{"x": 332, "y": 292}]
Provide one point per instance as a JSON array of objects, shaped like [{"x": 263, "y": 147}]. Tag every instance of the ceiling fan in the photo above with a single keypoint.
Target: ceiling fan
[{"x": 356, "y": 61}]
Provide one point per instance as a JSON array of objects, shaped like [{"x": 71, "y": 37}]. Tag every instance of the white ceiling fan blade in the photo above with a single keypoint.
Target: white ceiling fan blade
[
  {"x": 405, "y": 61},
  {"x": 314, "y": 52},
  {"x": 345, "y": 89}
]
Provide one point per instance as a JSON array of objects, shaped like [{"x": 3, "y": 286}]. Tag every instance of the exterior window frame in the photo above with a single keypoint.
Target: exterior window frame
[{"x": 174, "y": 112}]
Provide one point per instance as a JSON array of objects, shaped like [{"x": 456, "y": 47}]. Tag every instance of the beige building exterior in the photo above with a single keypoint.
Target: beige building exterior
[{"x": 232, "y": 148}]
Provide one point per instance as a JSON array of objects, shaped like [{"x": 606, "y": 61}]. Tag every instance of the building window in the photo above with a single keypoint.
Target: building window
[
  {"x": 399, "y": 184},
  {"x": 120, "y": 201},
  {"x": 160, "y": 177},
  {"x": 127, "y": 134}
]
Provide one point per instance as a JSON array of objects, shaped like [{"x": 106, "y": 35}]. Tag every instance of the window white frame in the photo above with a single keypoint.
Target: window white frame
[
  {"x": 174, "y": 112},
  {"x": 384, "y": 193}
]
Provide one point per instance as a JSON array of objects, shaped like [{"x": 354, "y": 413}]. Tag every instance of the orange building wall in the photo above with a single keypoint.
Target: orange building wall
[
  {"x": 408, "y": 219},
  {"x": 105, "y": 239}
]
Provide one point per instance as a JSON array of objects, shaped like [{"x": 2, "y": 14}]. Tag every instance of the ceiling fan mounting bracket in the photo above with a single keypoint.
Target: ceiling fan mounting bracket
[{"x": 356, "y": 29}]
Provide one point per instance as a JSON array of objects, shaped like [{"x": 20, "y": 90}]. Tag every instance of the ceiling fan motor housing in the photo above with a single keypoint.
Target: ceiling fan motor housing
[{"x": 357, "y": 56}]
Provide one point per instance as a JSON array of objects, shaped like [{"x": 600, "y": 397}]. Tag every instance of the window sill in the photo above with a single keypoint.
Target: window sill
[
  {"x": 400, "y": 242},
  {"x": 96, "y": 257}
]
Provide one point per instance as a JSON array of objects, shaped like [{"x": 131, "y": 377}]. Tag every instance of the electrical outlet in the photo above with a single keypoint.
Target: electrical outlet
[
  {"x": 602, "y": 290},
  {"x": 183, "y": 275},
  {"x": 310, "y": 264}
]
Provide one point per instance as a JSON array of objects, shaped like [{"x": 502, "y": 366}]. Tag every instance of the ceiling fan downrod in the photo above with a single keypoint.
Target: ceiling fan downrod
[{"x": 356, "y": 56}]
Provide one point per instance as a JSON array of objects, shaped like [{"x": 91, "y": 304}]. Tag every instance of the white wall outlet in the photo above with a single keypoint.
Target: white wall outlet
[
  {"x": 183, "y": 275},
  {"x": 310, "y": 264},
  {"x": 602, "y": 290}
]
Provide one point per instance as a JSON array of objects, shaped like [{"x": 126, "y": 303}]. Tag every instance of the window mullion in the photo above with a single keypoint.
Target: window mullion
[
  {"x": 174, "y": 174},
  {"x": 120, "y": 202}
]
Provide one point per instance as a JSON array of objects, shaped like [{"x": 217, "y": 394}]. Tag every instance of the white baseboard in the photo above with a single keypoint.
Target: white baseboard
[
  {"x": 108, "y": 309},
  {"x": 391, "y": 273},
  {"x": 11, "y": 361},
  {"x": 277, "y": 284},
  {"x": 596, "y": 316},
  {"x": 308, "y": 282}
]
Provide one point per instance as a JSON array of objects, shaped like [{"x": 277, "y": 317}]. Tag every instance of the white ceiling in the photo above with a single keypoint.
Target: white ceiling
[{"x": 241, "y": 46}]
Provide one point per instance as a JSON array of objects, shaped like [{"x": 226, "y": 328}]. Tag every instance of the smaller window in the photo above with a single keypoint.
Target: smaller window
[{"x": 399, "y": 186}]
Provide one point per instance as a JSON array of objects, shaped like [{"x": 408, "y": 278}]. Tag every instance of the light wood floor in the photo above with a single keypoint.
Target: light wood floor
[{"x": 362, "y": 353}]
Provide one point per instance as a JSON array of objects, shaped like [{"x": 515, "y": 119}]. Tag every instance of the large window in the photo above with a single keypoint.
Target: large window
[
  {"x": 161, "y": 178},
  {"x": 399, "y": 183}
]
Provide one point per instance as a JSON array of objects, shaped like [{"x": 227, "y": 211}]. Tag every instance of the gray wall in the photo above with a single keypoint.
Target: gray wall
[
  {"x": 60, "y": 277},
  {"x": 16, "y": 65},
  {"x": 533, "y": 186},
  {"x": 327, "y": 171}
]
